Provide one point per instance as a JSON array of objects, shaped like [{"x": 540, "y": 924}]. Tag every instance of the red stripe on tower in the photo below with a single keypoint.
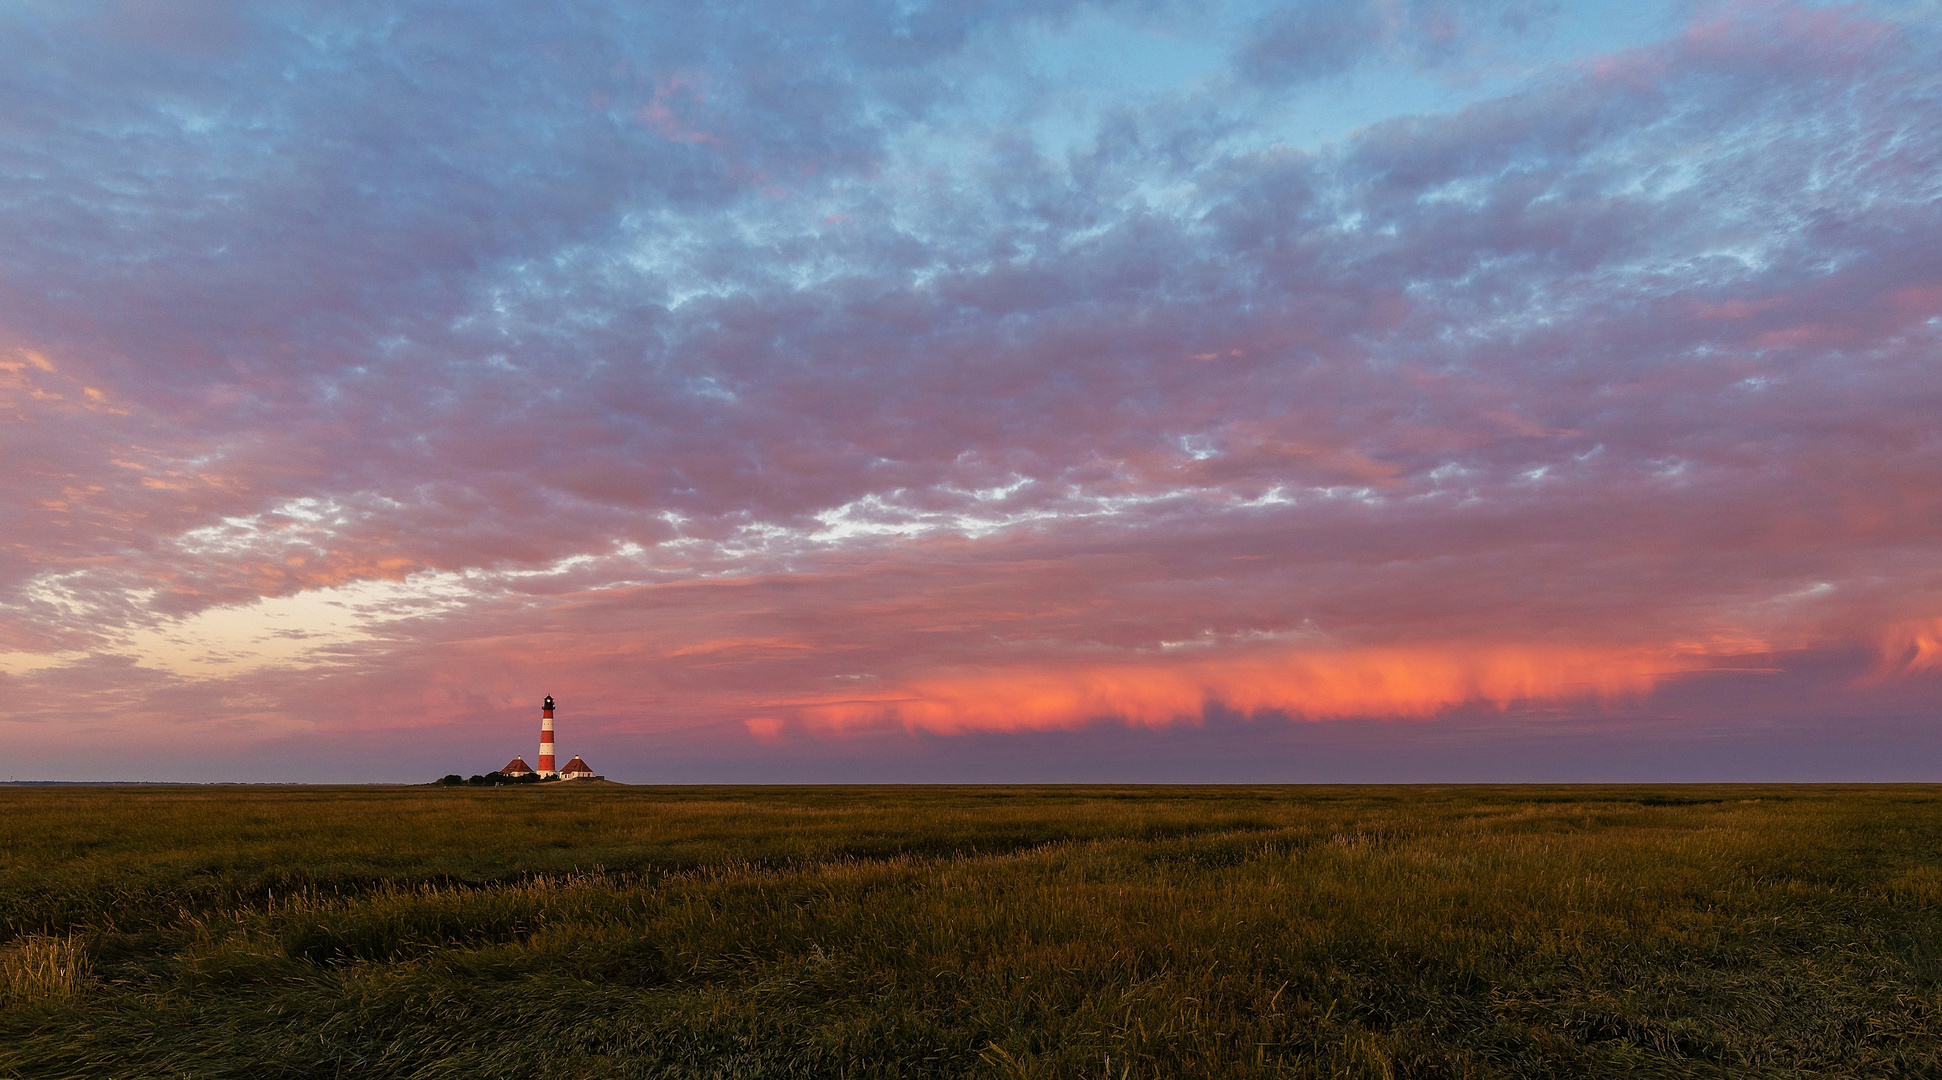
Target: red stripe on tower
[{"x": 546, "y": 738}]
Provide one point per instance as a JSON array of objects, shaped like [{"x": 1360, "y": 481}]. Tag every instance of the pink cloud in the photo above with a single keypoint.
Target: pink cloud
[
  {"x": 660, "y": 116},
  {"x": 1411, "y": 682}
]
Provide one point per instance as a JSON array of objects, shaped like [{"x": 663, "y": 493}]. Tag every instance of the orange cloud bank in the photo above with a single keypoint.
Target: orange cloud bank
[
  {"x": 1908, "y": 648},
  {"x": 1321, "y": 684}
]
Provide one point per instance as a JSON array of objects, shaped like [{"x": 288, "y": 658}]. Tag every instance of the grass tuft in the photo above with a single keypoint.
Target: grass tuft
[{"x": 41, "y": 969}]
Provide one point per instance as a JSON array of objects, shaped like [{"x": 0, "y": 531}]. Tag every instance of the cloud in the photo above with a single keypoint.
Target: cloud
[
  {"x": 1308, "y": 41},
  {"x": 663, "y": 352},
  {"x": 1908, "y": 648},
  {"x": 1414, "y": 683}
]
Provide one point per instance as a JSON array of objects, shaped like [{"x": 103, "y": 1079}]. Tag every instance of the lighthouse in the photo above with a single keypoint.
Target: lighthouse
[{"x": 546, "y": 738}]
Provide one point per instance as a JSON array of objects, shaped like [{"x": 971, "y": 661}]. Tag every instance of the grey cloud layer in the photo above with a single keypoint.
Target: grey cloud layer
[{"x": 1303, "y": 42}]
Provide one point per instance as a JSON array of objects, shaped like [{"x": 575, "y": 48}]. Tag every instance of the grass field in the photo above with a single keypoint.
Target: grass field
[{"x": 1000, "y": 932}]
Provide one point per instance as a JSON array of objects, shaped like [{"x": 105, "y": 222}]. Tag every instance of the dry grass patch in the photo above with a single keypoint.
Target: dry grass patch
[{"x": 41, "y": 969}]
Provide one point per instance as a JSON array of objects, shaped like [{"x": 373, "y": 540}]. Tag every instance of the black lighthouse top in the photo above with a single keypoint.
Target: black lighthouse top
[{"x": 549, "y": 702}]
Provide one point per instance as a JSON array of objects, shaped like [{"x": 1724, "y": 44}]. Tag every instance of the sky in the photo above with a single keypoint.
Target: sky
[{"x": 894, "y": 390}]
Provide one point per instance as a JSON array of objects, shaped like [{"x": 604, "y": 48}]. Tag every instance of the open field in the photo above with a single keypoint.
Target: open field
[{"x": 891, "y": 932}]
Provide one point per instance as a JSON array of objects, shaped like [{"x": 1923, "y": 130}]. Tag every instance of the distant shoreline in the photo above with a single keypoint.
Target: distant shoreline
[{"x": 280, "y": 783}]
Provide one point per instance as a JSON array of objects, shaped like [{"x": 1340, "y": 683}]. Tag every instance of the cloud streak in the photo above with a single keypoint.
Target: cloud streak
[{"x": 1404, "y": 683}]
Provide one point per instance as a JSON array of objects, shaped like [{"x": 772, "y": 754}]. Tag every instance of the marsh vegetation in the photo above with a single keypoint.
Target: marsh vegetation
[{"x": 1003, "y": 932}]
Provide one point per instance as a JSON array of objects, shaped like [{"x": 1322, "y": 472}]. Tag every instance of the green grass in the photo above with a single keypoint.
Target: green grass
[{"x": 1000, "y": 932}]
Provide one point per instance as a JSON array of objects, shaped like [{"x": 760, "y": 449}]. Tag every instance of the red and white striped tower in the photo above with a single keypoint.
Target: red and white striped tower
[{"x": 546, "y": 738}]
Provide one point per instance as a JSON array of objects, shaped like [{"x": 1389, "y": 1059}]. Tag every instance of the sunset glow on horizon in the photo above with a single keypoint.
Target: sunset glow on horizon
[{"x": 931, "y": 391}]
